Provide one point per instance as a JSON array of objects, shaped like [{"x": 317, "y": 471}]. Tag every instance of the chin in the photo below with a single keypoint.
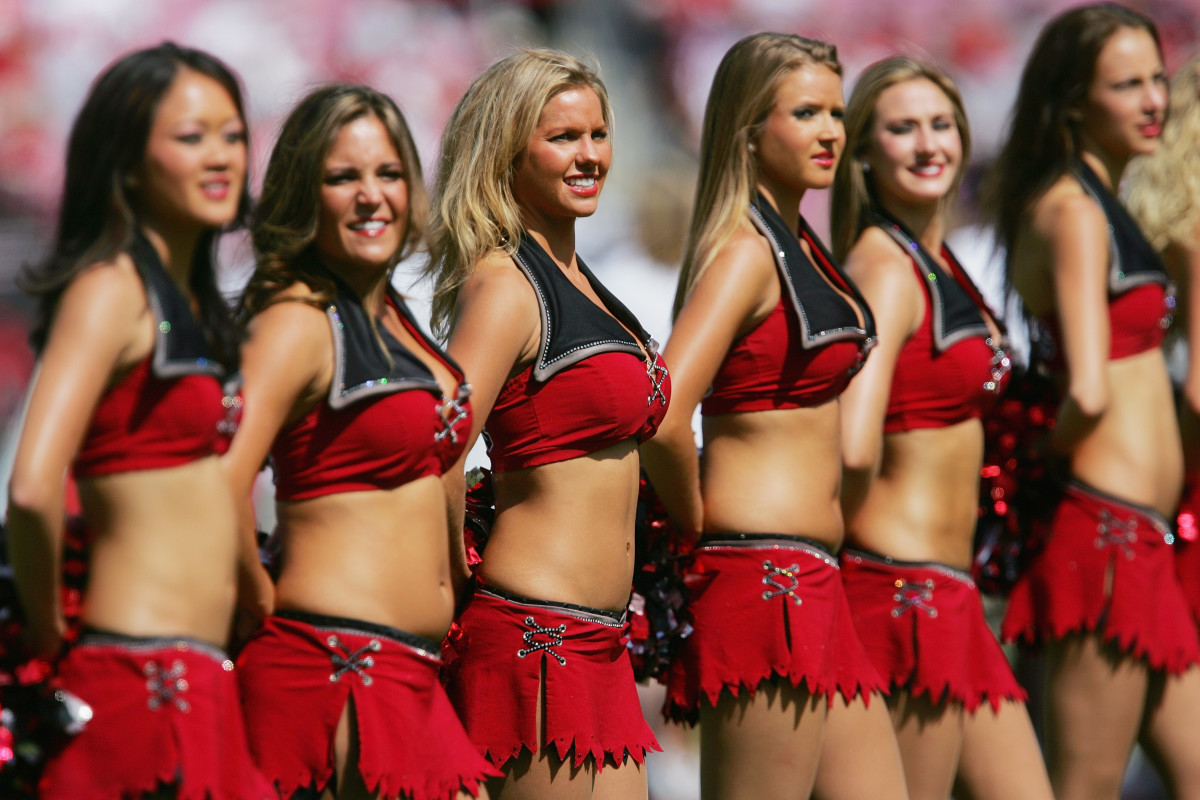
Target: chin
[{"x": 819, "y": 181}]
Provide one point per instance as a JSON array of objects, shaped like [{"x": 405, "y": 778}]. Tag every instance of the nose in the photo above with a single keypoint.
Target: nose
[
  {"x": 1156, "y": 98},
  {"x": 833, "y": 129},
  {"x": 588, "y": 152},
  {"x": 221, "y": 152},
  {"x": 369, "y": 192},
  {"x": 924, "y": 140}
]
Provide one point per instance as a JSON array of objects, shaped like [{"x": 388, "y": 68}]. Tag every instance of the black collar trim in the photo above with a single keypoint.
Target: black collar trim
[
  {"x": 827, "y": 316},
  {"x": 1133, "y": 261},
  {"x": 957, "y": 304},
  {"x": 180, "y": 346},
  {"x": 573, "y": 328},
  {"x": 369, "y": 365}
]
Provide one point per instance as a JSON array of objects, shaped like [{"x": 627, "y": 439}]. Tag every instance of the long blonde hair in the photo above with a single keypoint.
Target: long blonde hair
[
  {"x": 851, "y": 199},
  {"x": 1164, "y": 188},
  {"x": 474, "y": 211},
  {"x": 742, "y": 95}
]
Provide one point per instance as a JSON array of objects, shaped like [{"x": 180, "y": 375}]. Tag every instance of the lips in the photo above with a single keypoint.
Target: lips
[
  {"x": 369, "y": 227},
  {"x": 928, "y": 170},
  {"x": 583, "y": 185},
  {"x": 824, "y": 159},
  {"x": 216, "y": 190},
  {"x": 1151, "y": 130}
]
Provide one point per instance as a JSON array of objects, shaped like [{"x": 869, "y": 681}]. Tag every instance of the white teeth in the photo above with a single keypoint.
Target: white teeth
[
  {"x": 583, "y": 183},
  {"x": 928, "y": 169},
  {"x": 369, "y": 225}
]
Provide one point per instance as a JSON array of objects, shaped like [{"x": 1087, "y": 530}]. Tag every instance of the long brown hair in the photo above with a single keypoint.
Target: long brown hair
[
  {"x": 1041, "y": 141},
  {"x": 742, "y": 95},
  {"x": 288, "y": 213}
]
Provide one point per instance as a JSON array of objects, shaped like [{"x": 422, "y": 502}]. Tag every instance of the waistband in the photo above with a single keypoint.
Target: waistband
[
  {"x": 357, "y": 627},
  {"x": 812, "y": 547},
  {"x": 101, "y": 638},
  {"x": 1086, "y": 491},
  {"x": 880, "y": 560},
  {"x": 599, "y": 616}
]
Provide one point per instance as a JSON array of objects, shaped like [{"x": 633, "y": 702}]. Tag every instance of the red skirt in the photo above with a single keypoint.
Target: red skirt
[
  {"x": 166, "y": 712},
  {"x": 1187, "y": 545},
  {"x": 299, "y": 670},
  {"x": 766, "y": 608},
  {"x": 923, "y": 625},
  {"x": 1063, "y": 592},
  {"x": 502, "y": 646}
]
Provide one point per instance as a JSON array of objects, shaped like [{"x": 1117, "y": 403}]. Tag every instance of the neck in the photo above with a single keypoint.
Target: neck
[
  {"x": 177, "y": 251},
  {"x": 786, "y": 203},
  {"x": 1109, "y": 168},
  {"x": 556, "y": 238},
  {"x": 925, "y": 222}
]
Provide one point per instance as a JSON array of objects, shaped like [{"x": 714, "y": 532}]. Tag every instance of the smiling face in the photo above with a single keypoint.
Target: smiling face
[
  {"x": 914, "y": 148},
  {"x": 561, "y": 171},
  {"x": 364, "y": 198},
  {"x": 1126, "y": 104},
  {"x": 799, "y": 143},
  {"x": 194, "y": 167}
]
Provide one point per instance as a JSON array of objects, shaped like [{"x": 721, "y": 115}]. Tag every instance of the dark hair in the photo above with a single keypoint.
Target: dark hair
[
  {"x": 98, "y": 216},
  {"x": 288, "y": 213},
  {"x": 1042, "y": 138}
]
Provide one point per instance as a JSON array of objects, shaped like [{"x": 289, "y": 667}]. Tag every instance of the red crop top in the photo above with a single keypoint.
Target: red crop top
[
  {"x": 806, "y": 351},
  {"x": 948, "y": 370},
  {"x": 385, "y": 422},
  {"x": 170, "y": 408},
  {"x": 1141, "y": 301},
  {"x": 592, "y": 384}
]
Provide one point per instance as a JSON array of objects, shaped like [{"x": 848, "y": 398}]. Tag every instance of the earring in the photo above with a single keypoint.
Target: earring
[
  {"x": 865, "y": 167},
  {"x": 751, "y": 147}
]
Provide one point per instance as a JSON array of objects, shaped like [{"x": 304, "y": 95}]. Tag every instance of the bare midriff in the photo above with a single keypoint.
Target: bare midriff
[
  {"x": 379, "y": 556},
  {"x": 564, "y": 531},
  {"x": 775, "y": 471}
]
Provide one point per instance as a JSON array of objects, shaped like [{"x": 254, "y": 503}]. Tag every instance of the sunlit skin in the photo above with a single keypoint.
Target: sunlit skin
[
  {"x": 561, "y": 172},
  {"x": 364, "y": 199},
  {"x": 1126, "y": 104},
  {"x": 537, "y": 548},
  {"x": 910, "y": 495},
  {"x": 195, "y": 163},
  {"x": 400, "y": 572},
  {"x": 1061, "y": 268},
  {"x": 774, "y": 471},
  {"x": 913, "y": 495},
  {"x": 563, "y": 531},
  {"x": 381, "y": 556},
  {"x": 1116, "y": 429},
  {"x": 802, "y": 138},
  {"x": 162, "y": 560},
  {"x": 915, "y": 149}
]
